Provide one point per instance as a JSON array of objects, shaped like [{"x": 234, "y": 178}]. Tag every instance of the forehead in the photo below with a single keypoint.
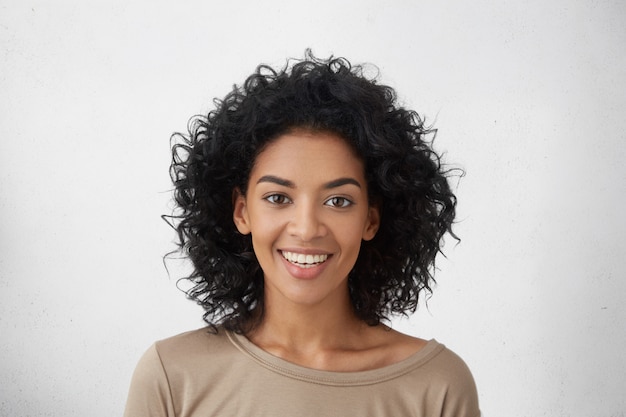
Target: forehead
[{"x": 308, "y": 154}]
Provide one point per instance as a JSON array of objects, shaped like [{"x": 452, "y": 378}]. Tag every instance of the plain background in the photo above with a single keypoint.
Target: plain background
[{"x": 529, "y": 98}]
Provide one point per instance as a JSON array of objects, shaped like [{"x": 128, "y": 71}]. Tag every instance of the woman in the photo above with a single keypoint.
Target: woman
[{"x": 312, "y": 208}]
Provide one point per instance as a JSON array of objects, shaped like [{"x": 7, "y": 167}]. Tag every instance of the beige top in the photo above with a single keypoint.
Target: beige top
[{"x": 202, "y": 374}]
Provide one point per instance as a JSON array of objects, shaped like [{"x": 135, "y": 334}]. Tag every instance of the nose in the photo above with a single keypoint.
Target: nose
[{"x": 306, "y": 223}]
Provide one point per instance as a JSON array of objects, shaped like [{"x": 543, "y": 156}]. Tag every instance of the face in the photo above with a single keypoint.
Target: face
[{"x": 307, "y": 210}]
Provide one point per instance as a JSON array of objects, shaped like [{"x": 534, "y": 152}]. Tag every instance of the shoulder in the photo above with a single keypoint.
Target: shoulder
[
  {"x": 197, "y": 351},
  {"x": 429, "y": 355},
  {"x": 200, "y": 342},
  {"x": 171, "y": 366},
  {"x": 185, "y": 347},
  {"x": 450, "y": 379},
  {"x": 448, "y": 363},
  {"x": 188, "y": 354}
]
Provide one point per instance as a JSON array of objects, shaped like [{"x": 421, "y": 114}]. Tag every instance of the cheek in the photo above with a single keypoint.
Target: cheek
[
  {"x": 350, "y": 234},
  {"x": 264, "y": 233}
]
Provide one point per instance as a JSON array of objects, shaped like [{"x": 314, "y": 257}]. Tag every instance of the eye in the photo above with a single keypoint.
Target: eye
[
  {"x": 278, "y": 199},
  {"x": 340, "y": 202}
]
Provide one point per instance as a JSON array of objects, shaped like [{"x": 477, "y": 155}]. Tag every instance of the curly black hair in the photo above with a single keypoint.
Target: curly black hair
[{"x": 405, "y": 178}]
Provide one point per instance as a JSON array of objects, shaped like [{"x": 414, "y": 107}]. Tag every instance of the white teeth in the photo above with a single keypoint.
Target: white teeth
[{"x": 301, "y": 259}]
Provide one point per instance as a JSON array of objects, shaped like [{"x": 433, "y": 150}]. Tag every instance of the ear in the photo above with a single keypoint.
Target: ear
[
  {"x": 240, "y": 212},
  {"x": 373, "y": 222}
]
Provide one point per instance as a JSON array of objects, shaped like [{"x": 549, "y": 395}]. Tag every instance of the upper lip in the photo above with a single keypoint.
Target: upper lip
[{"x": 306, "y": 251}]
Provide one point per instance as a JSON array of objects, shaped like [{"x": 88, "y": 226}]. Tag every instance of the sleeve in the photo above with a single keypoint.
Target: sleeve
[
  {"x": 461, "y": 399},
  {"x": 149, "y": 394}
]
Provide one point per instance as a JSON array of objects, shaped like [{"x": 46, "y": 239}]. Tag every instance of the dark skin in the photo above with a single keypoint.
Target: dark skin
[{"x": 307, "y": 210}]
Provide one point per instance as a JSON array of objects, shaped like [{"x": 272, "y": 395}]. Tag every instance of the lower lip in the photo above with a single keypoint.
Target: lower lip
[{"x": 304, "y": 273}]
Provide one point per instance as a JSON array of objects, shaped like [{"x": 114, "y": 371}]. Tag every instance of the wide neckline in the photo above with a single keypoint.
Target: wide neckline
[{"x": 336, "y": 378}]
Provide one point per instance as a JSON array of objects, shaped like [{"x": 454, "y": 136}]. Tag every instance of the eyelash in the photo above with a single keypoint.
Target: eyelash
[
  {"x": 336, "y": 202},
  {"x": 345, "y": 201},
  {"x": 272, "y": 199}
]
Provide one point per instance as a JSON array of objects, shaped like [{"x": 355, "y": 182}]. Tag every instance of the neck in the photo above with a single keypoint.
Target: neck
[{"x": 302, "y": 328}]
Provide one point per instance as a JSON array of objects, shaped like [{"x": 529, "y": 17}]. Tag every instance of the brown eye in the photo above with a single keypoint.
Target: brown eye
[
  {"x": 278, "y": 199},
  {"x": 339, "y": 202}
]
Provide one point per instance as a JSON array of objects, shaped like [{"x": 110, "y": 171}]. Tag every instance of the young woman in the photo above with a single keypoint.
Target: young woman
[{"x": 312, "y": 207}]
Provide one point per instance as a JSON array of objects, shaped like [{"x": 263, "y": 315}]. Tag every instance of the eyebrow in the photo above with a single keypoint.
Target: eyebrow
[
  {"x": 289, "y": 184},
  {"x": 341, "y": 181}
]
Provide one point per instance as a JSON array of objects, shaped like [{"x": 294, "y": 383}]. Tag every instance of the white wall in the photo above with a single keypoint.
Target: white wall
[{"x": 529, "y": 97}]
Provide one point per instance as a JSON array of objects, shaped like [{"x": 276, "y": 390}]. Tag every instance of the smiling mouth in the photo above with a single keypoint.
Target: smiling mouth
[{"x": 304, "y": 261}]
